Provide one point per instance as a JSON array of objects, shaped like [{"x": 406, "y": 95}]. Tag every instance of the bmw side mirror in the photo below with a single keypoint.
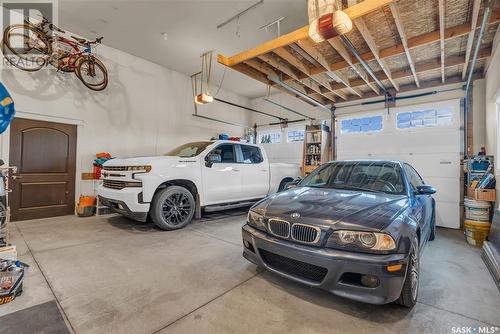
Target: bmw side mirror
[
  {"x": 426, "y": 190},
  {"x": 293, "y": 184},
  {"x": 211, "y": 159}
]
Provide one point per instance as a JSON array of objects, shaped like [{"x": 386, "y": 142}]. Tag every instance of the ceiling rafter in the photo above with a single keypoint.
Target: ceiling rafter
[
  {"x": 353, "y": 12},
  {"x": 309, "y": 48},
  {"x": 470, "y": 39},
  {"x": 344, "y": 53},
  {"x": 370, "y": 41},
  {"x": 404, "y": 42}
]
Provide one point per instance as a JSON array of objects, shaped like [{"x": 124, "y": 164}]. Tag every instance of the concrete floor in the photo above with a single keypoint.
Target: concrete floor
[{"x": 112, "y": 275}]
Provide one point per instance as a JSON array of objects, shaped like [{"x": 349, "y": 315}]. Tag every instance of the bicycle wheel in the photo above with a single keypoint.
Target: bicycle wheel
[
  {"x": 92, "y": 73},
  {"x": 26, "y": 47}
]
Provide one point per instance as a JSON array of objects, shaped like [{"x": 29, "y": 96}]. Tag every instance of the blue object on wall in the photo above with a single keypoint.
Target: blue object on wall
[{"x": 7, "y": 110}]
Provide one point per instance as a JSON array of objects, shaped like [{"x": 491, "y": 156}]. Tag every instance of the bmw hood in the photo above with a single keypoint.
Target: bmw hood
[{"x": 341, "y": 209}]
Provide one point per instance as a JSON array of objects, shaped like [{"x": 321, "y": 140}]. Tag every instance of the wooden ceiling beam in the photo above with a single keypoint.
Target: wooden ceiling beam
[
  {"x": 353, "y": 12},
  {"x": 470, "y": 39},
  {"x": 279, "y": 66},
  {"x": 327, "y": 84},
  {"x": 370, "y": 41},
  {"x": 427, "y": 66},
  {"x": 309, "y": 48},
  {"x": 262, "y": 67},
  {"x": 344, "y": 53},
  {"x": 442, "y": 16},
  {"x": 404, "y": 42},
  {"x": 417, "y": 41},
  {"x": 292, "y": 60}
]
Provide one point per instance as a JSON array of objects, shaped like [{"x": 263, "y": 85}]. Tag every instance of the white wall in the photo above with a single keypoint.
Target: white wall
[{"x": 146, "y": 109}]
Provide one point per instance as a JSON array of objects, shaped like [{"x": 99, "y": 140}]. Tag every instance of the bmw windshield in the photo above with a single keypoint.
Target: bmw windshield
[{"x": 385, "y": 177}]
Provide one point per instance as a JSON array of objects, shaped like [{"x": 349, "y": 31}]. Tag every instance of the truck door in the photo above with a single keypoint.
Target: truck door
[
  {"x": 222, "y": 180},
  {"x": 255, "y": 171}
]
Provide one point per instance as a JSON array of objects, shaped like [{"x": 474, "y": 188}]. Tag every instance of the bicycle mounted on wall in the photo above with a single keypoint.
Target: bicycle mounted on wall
[{"x": 30, "y": 47}]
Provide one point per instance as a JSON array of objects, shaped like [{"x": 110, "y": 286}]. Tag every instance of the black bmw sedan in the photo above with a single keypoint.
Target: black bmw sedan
[{"x": 353, "y": 228}]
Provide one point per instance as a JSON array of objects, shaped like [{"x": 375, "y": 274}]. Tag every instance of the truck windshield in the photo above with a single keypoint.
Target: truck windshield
[
  {"x": 189, "y": 150},
  {"x": 367, "y": 176}
]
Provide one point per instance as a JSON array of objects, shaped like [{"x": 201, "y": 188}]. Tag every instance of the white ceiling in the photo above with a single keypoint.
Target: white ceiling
[{"x": 136, "y": 27}]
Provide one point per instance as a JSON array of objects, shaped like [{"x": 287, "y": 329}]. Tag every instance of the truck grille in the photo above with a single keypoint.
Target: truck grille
[
  {"x": 279, "y": 228},
  {"x": 305, "y": 233},
  {"x": 293, "y": 267},
  {"x": 113, "y": 184},
  {"x": 116, "y": 168}
]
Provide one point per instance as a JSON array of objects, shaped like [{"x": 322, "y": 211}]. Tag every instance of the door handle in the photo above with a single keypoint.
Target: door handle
[
  {"x": 235, "y": 170},
  {"x": 15, "y": 177}
]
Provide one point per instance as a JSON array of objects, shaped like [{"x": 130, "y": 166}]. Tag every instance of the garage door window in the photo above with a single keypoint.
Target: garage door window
[
  {"x": 424, "y": 118},
  {"x": 295, "y": 135},
  {"x": 270, "y": 138},
  {"x": 361, "y": 125}
]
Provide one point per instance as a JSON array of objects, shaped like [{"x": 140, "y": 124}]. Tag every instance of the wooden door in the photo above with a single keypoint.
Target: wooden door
[{"x": 45, "y": 156}]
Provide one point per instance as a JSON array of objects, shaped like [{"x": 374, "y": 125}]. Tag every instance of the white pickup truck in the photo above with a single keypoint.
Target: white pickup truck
[{"x": 171, "y": 189}]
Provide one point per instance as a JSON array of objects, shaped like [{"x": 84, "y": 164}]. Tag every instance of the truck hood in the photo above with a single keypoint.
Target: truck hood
[
  {"x": 340, "y": 209},
  {"x": 145, "y": 161}
]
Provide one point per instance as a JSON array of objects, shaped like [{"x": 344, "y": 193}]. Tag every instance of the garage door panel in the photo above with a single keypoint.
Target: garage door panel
[
  {"x": 436, "y": 165},
  {"x": 407, "y": 142},
  {"x": 448, "y": 214},
  {"x": 435, "y": 152},
  {"x": 448, "y": 189}
]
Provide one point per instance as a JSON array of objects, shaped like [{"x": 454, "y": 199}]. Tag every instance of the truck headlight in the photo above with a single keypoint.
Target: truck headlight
[
  {"x": 142, "y": 169},
  {"x": 256, "y": 220},
  {"x": 363, "y": 241}
]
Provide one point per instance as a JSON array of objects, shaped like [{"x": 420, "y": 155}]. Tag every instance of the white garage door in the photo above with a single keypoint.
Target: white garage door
[{"x": 427, "y": 136}]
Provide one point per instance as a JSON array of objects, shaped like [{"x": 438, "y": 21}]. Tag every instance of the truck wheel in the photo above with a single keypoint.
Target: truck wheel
[
  {"x": 173, "y": 208},
  {"x": 409, "y": 293}
]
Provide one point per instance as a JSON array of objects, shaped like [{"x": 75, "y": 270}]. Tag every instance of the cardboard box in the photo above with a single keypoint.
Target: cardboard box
[{"x": 487, "y": 195}]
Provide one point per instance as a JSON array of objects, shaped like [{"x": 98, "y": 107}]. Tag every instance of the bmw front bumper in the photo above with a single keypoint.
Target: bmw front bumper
[{"x": 328, "y": 269}]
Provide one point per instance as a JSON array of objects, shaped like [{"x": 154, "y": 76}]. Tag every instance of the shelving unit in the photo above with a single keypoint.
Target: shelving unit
[
  {"x": 474, "y": 173},
  {"x": 316, "y": 145}
]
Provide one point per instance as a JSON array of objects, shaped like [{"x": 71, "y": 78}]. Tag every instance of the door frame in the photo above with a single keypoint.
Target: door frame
[{"x": 5, "y": 142}]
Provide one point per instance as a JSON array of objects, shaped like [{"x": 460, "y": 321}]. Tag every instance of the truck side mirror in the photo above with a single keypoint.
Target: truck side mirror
[{"x": 211, "y": 159}]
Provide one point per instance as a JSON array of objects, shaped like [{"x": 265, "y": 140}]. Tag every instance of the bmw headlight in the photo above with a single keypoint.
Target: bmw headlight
[
  {"x": 256, "y": 220},
  {"x": 143, "y": 169},
  {"x": 362, "y": 241}
]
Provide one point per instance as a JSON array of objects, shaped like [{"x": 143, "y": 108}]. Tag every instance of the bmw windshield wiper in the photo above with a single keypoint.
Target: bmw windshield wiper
[{"x": 360, "y": 189}]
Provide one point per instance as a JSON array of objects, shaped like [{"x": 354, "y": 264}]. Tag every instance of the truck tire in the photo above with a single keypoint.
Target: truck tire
[{"x": 173, "y": 208}]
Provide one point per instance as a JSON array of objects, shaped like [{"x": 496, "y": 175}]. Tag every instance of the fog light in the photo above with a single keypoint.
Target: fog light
[
  {"x": 248, "y": 246},
  {"x": 370, "y": 281}
]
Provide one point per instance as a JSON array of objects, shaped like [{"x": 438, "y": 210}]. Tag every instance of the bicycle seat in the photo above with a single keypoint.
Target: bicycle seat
[{"x": 79, "y": 40}]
